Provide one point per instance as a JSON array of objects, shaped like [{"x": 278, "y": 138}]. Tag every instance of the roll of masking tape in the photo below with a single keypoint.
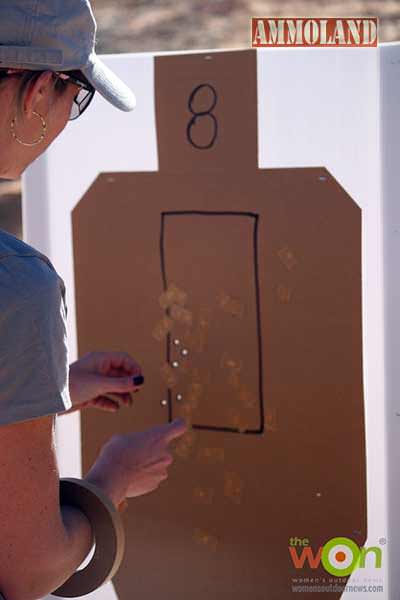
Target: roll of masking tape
[{"x": 108, "y": 532}]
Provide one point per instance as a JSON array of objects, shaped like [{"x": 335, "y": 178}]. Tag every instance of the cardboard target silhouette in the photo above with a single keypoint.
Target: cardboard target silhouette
[{"x": 239, "y": 291}]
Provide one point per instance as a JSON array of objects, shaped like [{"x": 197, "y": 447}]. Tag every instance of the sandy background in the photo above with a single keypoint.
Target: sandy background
[{"x": 156, "y": 25}]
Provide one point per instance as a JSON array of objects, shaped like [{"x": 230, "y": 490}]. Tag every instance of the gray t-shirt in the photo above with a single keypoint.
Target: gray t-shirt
[{"x": 33, "y": 341}]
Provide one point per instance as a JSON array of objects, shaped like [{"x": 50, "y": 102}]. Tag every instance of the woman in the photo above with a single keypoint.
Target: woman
[{"x": 49, "y": 74}]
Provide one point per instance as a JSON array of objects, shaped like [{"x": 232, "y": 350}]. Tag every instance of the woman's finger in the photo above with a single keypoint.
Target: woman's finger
[
  {"x": 161, "y": 474},
  {"x": 156, "y": 465},
  {"x": 125, "y": 361},
  {"x": 105, "y": 403},
  {"x": 121, "y": 397},
  {"x": 127, "y": 399}
]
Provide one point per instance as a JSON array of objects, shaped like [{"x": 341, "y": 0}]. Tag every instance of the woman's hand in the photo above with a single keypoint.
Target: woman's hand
[
  {"x": 135, "y": 464},
  {"x": 99, "y": 373}
]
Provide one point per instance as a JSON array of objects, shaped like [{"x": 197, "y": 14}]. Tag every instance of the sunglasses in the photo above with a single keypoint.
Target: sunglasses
[{"x": 84, "y": 96}]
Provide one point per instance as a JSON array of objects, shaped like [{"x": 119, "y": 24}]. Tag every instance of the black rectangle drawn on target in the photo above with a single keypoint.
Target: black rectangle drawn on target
[{"x": 195, "y": 257}]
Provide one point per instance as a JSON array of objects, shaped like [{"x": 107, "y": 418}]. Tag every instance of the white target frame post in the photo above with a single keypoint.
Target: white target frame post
[{"x": 336, "y": 108}]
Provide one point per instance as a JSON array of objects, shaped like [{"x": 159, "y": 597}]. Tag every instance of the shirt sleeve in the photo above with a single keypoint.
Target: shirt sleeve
[{"x": 34, "y": 353}]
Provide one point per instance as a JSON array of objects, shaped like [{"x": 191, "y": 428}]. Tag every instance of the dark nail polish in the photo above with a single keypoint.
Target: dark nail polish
[{"x": 138, "y": 380}]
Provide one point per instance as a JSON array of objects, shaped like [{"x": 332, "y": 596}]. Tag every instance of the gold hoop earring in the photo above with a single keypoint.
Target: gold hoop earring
[{"x": 44, "y": 128}]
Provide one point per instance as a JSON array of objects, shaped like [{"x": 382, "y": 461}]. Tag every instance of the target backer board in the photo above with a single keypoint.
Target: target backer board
[{"x": 286, "y": 350}]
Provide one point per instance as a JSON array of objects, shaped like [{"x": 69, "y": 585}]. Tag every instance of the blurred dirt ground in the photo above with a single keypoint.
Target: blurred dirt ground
[
  {"x": 145, "y": 26},
  {"x": 168, "y": 25}
]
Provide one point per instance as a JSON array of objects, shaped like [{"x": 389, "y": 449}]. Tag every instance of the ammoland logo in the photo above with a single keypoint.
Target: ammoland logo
[
  {"x": 329, "y": 32},
  {"x": 340, "y": 556}
]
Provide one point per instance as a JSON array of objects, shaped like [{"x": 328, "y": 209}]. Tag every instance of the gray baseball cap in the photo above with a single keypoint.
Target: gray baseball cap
[{"x": 58, "y": 35}]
